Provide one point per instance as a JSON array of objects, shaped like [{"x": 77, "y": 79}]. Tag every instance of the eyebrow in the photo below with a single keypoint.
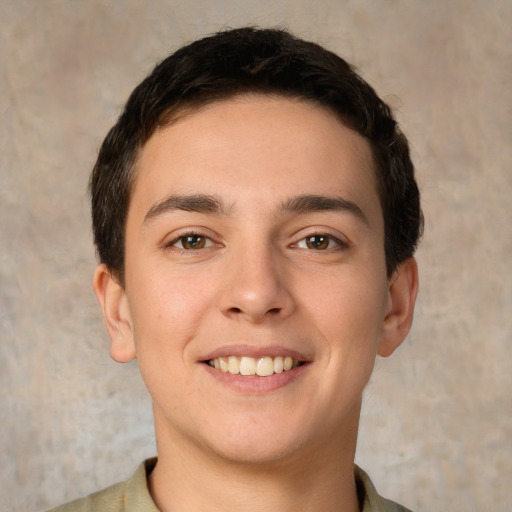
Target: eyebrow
[
  {"x": 200, "y": 203},
  {"x": 308, "y": 203},
  {"x": 208, "y": 204}
]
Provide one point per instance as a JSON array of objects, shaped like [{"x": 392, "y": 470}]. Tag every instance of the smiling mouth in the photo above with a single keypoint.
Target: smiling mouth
[{"x": 262, "y": 366}]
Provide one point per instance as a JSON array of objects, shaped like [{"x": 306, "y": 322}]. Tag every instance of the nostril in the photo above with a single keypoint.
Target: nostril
[{"x": 271, "y": 311}]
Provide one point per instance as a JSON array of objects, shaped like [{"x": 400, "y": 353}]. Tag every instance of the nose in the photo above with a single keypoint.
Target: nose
[{"x": 257, "y": 288}]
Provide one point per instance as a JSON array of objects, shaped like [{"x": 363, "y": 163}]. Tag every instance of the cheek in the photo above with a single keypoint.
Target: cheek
[
  {"x": 354, "y": 302},
  {"x": 167, "y": 309},
  {"x": 166, "y": 317},
  {"x": 349, "y": 315}
]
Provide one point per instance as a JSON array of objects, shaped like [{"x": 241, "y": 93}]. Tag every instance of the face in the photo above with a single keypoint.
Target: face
[{"x": 256, "y": 296}]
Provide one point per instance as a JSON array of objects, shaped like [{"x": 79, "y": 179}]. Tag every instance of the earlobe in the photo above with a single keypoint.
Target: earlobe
[
  {"x": 116, "y": 314},
  {"x": 403, "y": 289}
]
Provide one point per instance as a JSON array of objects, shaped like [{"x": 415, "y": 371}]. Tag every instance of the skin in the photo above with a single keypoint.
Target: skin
[{"x": 256, "y": 284}]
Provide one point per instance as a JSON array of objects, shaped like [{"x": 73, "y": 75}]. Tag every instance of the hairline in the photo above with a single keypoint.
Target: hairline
[{"x": 191, "y": 106}]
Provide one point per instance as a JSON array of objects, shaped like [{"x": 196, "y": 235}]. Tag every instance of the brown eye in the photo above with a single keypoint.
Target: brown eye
[
  {"x": 321, "y": 242},
  {"x": 190, "y": 242},
  {"x": 193, "y": 242},
  {"x": 318, "y": 242}
]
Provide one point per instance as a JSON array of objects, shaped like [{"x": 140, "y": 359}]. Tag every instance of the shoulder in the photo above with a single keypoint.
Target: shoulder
[
  {"x": 371, "y": 500},
  {"x": 110, "y": 499},
  {"x": 132, "y": 495}
]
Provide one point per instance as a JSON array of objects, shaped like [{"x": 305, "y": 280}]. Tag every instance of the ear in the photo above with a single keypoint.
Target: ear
[
  {"x": 403, "y": 289},
  {"x": 116, "y": 313}
]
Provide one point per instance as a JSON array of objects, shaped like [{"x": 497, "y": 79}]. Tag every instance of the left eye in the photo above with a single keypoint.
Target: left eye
[
  {"x": 319, "y": 242},
  {"x": 191, "y": 242}
]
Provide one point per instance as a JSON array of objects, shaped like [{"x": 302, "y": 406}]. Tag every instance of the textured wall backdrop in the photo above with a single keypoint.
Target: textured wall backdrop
[{"x": 436, "y": 431}]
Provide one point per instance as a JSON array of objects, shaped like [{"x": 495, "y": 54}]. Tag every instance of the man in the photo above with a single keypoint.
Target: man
[{"x": 255, "y": 214}]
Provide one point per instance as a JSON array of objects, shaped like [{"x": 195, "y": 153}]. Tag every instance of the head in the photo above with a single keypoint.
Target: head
[
  {"x": 255, "y": 203},
  {"x": 242, "y": 62}
]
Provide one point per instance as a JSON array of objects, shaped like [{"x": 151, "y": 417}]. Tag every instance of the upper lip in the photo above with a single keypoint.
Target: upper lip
[{"x": 256, "y": 352}]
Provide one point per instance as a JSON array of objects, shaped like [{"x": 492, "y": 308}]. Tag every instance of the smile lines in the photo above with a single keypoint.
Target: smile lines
[{"x": 263, "y": 366}]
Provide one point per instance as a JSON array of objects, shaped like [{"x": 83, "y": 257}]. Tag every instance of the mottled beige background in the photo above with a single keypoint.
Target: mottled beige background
[{"x": 437, "y": 423}]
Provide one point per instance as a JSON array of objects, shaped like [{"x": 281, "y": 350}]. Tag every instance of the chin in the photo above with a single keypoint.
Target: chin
[
  {"x": 257, "y": 444},
  {"x": 254, "y": 453}
]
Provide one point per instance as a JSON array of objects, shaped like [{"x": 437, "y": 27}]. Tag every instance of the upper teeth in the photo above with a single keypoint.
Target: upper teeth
[{"x": 263, "y": 366}]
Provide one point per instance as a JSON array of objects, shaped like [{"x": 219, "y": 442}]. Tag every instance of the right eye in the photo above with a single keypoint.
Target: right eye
[{"x": 191, "y": 241}]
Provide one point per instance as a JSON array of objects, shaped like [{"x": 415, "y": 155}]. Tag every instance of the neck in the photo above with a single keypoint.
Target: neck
[{"x": 191, "y": 478}]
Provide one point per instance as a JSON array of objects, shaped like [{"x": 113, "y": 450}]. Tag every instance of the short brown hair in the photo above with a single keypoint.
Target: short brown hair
[{"x": 263, "y": 61}]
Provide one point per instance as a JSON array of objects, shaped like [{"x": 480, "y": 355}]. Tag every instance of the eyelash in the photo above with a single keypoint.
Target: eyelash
[
  {"x": 190, "y": 234},
  {"x": 301, "y": 244},
  {"x": 338, "y": 244}
]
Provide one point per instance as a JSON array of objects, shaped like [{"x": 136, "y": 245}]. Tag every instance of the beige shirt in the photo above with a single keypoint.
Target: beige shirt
[{"x": 133, "y": 496}]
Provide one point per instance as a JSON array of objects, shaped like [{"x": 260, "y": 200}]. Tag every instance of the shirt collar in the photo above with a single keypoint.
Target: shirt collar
[{"x": 138, "y": 499}]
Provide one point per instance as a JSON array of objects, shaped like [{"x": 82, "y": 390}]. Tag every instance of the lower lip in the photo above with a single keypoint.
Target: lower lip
[{"x": 257, "y": 385}]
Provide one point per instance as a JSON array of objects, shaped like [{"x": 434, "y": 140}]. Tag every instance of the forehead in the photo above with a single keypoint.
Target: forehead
[{"x": 256, "y": 147}]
